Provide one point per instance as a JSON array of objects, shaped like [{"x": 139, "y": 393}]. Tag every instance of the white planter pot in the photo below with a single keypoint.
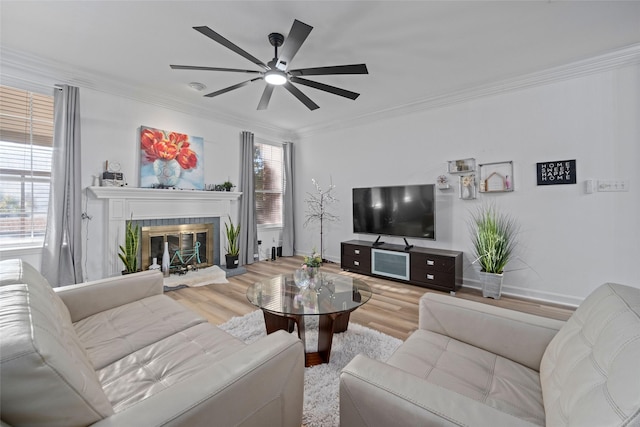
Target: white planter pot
[{"x": 491, "y": 284}]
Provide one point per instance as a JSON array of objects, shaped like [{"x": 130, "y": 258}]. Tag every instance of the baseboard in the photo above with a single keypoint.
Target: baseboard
[{"x": 542, "y": 296}]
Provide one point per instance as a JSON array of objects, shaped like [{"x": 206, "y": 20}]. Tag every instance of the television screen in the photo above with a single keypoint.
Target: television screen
[{"x": 406, "y": 211}]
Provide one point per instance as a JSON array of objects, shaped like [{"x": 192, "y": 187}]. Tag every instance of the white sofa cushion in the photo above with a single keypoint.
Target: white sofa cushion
[
  {"x": 164, "y": 363},
  {"x": 470, "y": 371},
  {"x": 112, "y": 334},
  {"x": 44, "y": 367},
  {"x": 590, "y": 372}
]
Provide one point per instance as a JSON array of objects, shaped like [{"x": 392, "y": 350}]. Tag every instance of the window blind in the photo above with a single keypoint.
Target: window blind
[
  {"x": 268, "y": 174},
  {"x": 26, "y": 144}
]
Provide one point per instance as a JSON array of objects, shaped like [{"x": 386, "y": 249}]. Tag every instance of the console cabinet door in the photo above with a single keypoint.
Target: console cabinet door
[
  {"x": 433, "y": 271},
  {"x": 356, "y": 258}
]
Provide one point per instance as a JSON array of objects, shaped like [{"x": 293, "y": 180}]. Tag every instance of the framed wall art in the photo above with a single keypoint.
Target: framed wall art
[
  {"x": 496, "y": 177},
  {"x": 170, "y": 160},
  {"x": 556, "y": 172}
]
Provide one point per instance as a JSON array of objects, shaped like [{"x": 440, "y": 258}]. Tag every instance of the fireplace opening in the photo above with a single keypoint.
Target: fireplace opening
[{"x": 190, "y": 245}]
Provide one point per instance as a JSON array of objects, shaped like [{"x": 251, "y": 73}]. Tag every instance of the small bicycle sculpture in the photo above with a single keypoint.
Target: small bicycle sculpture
[{"x": 186, "y": 259}]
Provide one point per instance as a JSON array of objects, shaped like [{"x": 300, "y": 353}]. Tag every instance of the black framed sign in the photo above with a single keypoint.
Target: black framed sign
[{"x": 557, "y": 172}]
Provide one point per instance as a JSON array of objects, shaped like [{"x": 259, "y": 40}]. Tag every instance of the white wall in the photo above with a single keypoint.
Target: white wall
[{"x": 570, "y": 241}]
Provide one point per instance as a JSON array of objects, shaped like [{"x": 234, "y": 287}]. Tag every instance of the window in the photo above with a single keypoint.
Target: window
[
  {"x": 268, "y": 173},
  {"x": 26, "y": 144}
]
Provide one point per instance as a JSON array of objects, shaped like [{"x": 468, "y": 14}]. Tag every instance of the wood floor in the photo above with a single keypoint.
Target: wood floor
[{"x": 393, "y": 308}]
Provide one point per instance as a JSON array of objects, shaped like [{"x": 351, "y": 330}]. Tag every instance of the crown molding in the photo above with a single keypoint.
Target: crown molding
[
  {"x": 35, "y": 73},
  {"x": 629, "y": 55}
]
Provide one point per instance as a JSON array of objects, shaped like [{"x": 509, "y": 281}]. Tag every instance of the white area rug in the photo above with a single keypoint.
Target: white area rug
[
  {"x": 321, "y": 382},
  {"x": 201, "y": 277}
]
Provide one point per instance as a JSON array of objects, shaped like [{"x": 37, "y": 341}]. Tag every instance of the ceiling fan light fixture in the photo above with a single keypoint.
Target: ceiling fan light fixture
[{"x": 275, "y": 77}]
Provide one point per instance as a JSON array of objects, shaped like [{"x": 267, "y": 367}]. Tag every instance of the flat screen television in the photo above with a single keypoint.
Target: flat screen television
[{"x": 405, "y": 211}]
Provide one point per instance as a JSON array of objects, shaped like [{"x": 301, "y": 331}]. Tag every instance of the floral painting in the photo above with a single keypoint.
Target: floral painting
[{"x": 170, "y": 160}]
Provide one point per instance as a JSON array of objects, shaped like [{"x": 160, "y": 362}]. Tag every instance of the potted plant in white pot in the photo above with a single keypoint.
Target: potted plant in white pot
[
  {"x": 232, "y": 247},
  {"x": 494, "y": 238}
]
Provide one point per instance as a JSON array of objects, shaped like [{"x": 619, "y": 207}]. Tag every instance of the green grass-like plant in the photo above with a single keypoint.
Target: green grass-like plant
[
  {"x": 494, "y": 238},
  {"x": 232, "y": 232},
  {"x": 129, "y": 252}
]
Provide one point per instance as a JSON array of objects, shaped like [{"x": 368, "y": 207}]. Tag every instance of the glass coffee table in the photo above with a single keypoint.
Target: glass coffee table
[{"x": 331, "y": 297}]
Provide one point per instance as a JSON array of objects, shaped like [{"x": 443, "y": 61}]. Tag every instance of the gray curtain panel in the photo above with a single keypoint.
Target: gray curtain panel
[
  {"x": 288, "y": 248},
  {"x": 248, "y": 225},
  {"x": 62, "y": 250}
]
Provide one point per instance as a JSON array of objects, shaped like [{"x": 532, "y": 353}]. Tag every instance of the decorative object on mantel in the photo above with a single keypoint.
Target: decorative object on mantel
[
  {"x": 496, "y": 177},
  {"x": 494, "y": 238},
  {"x": 112, "y": 177},
  {"x": 232, "y": 248},
  {"x": 129, "y": 252},
  {"x": 227, "y": 185},
  {"x": 467, "y": 187},
  {"x": 462, "y": 166},
  {"x": 443, "y": 182},
  {"x": 171, "y": 159},
  {"x": 317, "y": 209},
  {"x": 558, "y": 172}
]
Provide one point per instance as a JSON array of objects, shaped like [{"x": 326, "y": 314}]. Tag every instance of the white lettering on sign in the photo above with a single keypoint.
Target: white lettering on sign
[{"x": 558, "y": 172}]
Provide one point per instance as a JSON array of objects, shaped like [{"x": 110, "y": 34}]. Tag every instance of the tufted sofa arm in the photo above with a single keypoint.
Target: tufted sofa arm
[
  {"x": 517, "y": 336},
  {"x": 86, "y": 299}
]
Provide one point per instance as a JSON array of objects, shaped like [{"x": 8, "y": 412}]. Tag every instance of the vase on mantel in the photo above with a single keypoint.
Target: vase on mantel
[
  {"x": 166, "y": 262},
  {"x": 167, "y": 171}
]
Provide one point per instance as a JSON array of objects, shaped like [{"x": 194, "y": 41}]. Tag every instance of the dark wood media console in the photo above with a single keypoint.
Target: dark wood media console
[{"x": 430, "y": 268}]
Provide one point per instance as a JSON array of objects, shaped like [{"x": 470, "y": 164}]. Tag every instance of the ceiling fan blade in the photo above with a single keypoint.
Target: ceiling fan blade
[
  {"x": 336, "y": 69},
  {"x": 266, "y": 97},
  {"x": 193, "y": 67},
  {"x": 301, "y": 96},
  {"x": 327, "y": 88},
  {"x": 297, "y": 35},
  {"x": 230, "y": 88},
  {"x": 226, "y": 43}
]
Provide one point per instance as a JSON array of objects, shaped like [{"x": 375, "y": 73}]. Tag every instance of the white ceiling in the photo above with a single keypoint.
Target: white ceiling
[{"x": 414, "y": 50}]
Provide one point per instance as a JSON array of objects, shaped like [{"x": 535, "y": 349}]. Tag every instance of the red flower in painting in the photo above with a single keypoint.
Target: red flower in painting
[
  {"x": 157, "y": 144},
  {"x": 187, "y": 159}
]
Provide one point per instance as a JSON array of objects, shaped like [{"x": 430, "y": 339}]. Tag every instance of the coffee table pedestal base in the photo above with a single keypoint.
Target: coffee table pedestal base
[{"x": 328, "y": 324}]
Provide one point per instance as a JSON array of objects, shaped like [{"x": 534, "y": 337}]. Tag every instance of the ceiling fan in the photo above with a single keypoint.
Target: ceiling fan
[{"x": 276, "y": 72}]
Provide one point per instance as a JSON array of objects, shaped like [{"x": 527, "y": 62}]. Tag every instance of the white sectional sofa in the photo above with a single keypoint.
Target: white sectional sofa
[
  {"x": 117, "y": 352},
  {"x": 472, "y": 364}
]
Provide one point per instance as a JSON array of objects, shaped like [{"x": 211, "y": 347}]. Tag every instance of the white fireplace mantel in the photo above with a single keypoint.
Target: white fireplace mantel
[{"x": 124, "y": 203}]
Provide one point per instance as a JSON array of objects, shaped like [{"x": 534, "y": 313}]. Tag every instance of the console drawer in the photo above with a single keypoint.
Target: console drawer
[
  {"x": 434, "y": 278},
  {"x": 356, "y": 264},
  {"x": 432, "y": 263}
]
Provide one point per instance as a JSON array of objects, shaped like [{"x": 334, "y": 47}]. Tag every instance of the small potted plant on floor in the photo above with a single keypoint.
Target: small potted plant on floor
[
  {"x": 129, "y": 252},
  {"x": 493, "y": 236},
  {"x": 232, "y": 248}
]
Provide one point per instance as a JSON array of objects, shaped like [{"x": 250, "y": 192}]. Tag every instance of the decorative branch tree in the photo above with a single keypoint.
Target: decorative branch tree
[{"x": 318, "y": 209}]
